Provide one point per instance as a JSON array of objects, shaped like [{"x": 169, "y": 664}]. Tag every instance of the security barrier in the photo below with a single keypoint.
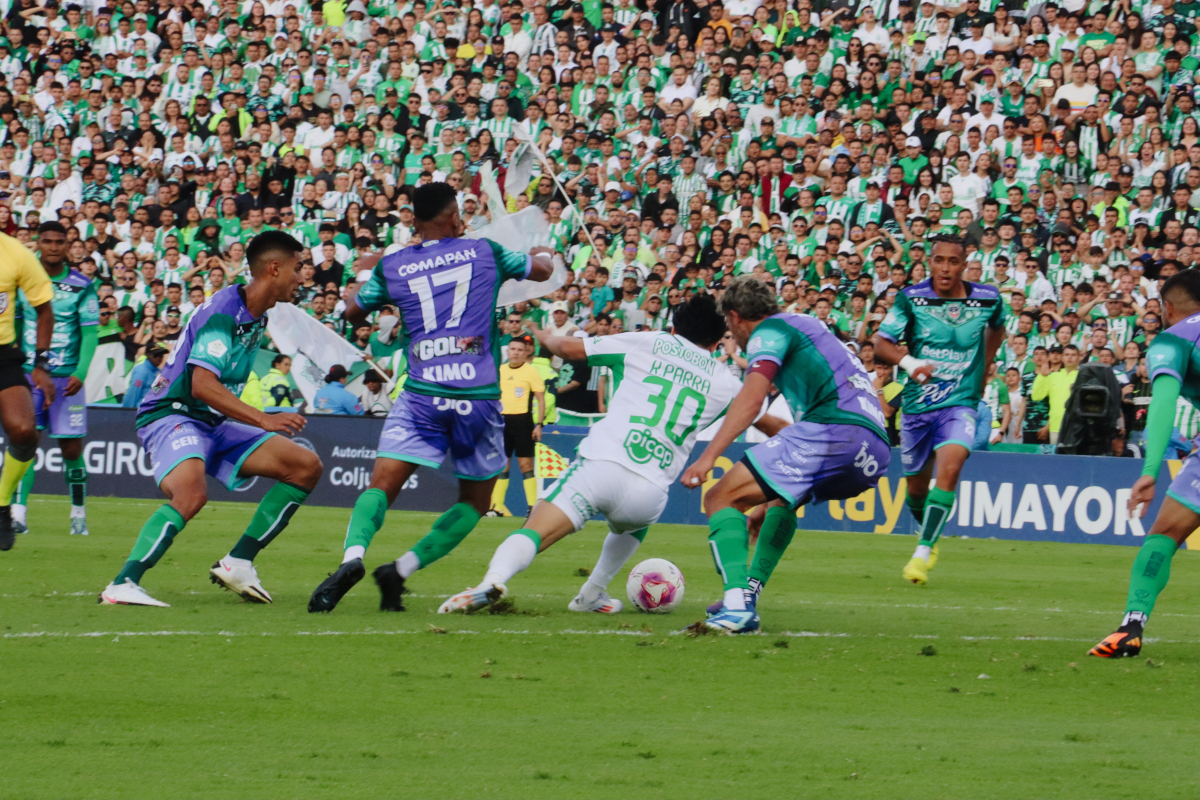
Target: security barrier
[{"x": 1003, "y": 495}]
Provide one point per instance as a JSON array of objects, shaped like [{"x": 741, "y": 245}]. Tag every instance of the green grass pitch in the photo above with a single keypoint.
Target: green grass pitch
[{"x": 974, "y": 686}]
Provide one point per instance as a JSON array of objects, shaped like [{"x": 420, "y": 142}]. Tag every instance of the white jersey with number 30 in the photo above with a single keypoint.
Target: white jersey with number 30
[{"x": 667, "y": 391}]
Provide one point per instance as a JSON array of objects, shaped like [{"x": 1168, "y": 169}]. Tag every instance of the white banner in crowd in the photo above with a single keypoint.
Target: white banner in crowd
[
  {"x": 313, "y": 348},
  {"x": 522, "y": 231}
]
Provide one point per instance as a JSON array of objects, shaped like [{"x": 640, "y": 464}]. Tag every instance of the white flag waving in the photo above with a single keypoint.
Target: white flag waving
[
  {"x": 314, "y": 349},
  {"x": 522, "y": 231}
]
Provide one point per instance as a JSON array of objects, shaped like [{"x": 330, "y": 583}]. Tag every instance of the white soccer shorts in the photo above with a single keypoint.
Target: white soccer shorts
[{"x": 627, "y": 500}]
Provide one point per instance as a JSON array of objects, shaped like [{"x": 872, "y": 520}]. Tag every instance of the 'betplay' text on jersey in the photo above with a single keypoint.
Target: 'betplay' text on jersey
[
  {"x": 76, "y": 306},
  {"x": 667, "y": 391},
  {"x": 821, "y": 380},
  {"x": 949, "y": 333},
  {"x": 221, "y": 337},
  {"x": 446, "y": 292}
]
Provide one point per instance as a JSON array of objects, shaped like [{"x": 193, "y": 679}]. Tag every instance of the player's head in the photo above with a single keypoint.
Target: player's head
[
  {"x": 1181, "y": 295},
  {"x": 435, "y": 206},
  {"x": 52, "y": 245},
  {"x": 746, "y": 302},
  {"x": 699, "y": 322},
  {"x": 947, "y": 260},
  {"x": 274, "y": 258}
]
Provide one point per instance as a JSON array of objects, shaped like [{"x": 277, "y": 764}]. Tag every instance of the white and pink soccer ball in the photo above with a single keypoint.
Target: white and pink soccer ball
[{"x": 655, "y": 586}]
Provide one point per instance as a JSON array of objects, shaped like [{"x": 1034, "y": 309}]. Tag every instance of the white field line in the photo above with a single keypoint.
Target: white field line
[
  {"x": 830, "y": 603},
  {"x": 503, "y": 632}
]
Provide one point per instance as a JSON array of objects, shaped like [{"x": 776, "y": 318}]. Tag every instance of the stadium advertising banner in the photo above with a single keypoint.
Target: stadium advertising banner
[{"x": 1003, "y": 495}]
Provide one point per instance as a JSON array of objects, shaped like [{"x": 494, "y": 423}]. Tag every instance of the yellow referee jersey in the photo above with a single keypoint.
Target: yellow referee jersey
[
  {"x": 517, "y": 387},
  {"x": 19, "y": 269}
]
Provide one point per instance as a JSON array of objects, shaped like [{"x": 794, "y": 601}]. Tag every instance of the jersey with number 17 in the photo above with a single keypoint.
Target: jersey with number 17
[{"x": 446, "y": 291}]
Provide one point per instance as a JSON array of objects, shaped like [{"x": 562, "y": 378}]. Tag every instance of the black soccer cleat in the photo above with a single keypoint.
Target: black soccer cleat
[
  {"x": 7, "y": 535},
  {"x": 1127, "y": 641},
  {"x": 331, "y": 591},
  {"x": 391, "y": 587}
]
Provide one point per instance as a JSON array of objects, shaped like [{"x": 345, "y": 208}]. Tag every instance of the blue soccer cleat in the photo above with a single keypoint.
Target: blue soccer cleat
[{"x": 734, "y": 621}]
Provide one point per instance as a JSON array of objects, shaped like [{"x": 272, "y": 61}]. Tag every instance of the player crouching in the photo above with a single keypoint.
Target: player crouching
[
  {"x": 192, "y": 422},
  {"x": 671, "y": 390}
]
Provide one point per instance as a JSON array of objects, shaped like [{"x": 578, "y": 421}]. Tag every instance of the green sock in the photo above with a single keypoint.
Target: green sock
[
  {"x": 272, "y": 516},
  {"x": 449, "y": 529},
  {"x": 917, "y": 506},
  {"x": 25, "y": 487},
  {"x": 937, "y": 514},
  {"x": 778, "y": 528},
  {"x": 1151, "y": 571},
  {"x": 730, "y": 547},
  {"x": 156, "y": 536},
  {"x": 76, "y": 473},
  {"x": 367, "y": 518}
]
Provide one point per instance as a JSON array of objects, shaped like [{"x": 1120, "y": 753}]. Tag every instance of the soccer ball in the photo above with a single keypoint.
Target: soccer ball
[{"x": 655, "y": 586}]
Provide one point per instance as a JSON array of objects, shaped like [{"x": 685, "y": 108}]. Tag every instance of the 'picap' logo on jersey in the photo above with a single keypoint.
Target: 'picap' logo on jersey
[{"x": 643, "y": 448}]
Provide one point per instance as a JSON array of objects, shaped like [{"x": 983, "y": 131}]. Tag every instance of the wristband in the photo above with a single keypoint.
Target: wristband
[
  {"x": 910, "y": 364},
  {"x": 41, "y": 360}
]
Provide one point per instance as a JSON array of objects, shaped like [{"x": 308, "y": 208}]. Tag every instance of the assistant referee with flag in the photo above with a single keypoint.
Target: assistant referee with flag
[{"x": 520, "y": 385}]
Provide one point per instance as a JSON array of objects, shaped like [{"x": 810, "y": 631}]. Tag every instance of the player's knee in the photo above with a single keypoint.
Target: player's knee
[
  {"x": 23, "y": 434},
  {"x": 308, "y": 470},
  {"x": 189, "y": 502}
]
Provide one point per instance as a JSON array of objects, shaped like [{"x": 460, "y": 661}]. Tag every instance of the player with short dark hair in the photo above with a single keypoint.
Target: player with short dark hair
[
  {"x": 952, "y": 329},
  {"x": 76, "y": 317},
  {"x": 1173, "y": 366},
  {"x": 445, "y": 289},
  {"x": 19, "y": 269},
  {"x": 191, "y": 422},
  {"x": 837, "y": 450}
]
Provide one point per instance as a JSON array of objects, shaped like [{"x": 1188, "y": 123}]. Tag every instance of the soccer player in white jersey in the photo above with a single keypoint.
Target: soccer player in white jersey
[{"x": 670, "y": 388}]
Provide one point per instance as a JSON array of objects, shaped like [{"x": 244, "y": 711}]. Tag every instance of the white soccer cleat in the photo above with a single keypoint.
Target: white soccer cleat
[
  {"x": 79, "y": 526},
  {"x": 471, "y": 599},
  {"x": 127, "y": 594},
  {"x": 239, "y": 576},
  {"x": 601, "y": 605}
]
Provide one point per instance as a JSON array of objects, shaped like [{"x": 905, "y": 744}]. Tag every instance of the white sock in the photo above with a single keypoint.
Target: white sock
[
  {"x": 407, "y": 564},
  {"x": 514, "y": 555},
  {"x": 923, "y": 552},
  {"x": 234, "y": 561},
  {"x": 1134, "y": 616},
  {"x": 19, "y": 513},
  {"x": 78, "y": 512},
  {"x": 735, "y": 600},
  {"x": 618, "y": 549},
  {"x": 354, "y": 551}
]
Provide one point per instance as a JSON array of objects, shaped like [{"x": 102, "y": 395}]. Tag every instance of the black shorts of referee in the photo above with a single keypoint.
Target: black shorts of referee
[
  {"x": 518, "y": 435},
  {"x": 12, "y": 366}
]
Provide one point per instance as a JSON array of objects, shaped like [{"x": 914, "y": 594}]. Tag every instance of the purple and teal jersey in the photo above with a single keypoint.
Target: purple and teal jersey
[
  {"x": 821, "y": 380},
  {"x": 446, "y": 292},
  {"x": 76, "y": 306},
  {"x": 221, "y": 337},
  {"x": 1176, "y": 352},
  {"x": 949, "y": 333}
]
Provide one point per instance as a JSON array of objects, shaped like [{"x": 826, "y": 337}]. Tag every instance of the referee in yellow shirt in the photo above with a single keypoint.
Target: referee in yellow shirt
[
  {"x": 20, "y": 269},
  {"x": 520, "y": 385}
]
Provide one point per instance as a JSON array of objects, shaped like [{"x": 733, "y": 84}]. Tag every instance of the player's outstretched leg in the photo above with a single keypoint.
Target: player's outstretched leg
[
  {"x": 931, "y": 505},
  {"x": 546, "y": 525},
  {"x": 366, "y": 519},
  {"x": 20, "y": 506},
  {"x": 729, "y": 541},
  {"x": 75, "y": 472},
  {"x": 593, "y": 596},
  {"x": 776, "y": 527},
  {"x": 297, "y": 471},
  {"x": 1149, "y": 576},
  {"x": 187, "y": 491},
  {"x": 474, "y": 498}
]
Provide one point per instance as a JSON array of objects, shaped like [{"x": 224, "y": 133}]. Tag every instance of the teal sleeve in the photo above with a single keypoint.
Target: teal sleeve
[
  {"x": 1160, "y": 422},
  {"x": 89, "y": 307},
  {"x": 509, "y": 263},
  {"x": 1168, "y": 355},
  {"x": 214, "y": 344},
  {"x": 998, "y": 316},
  {"x": 373, "y": 295},
  {"x": 87, "y": 349},
  {"x": 895, "y": 324},
  {"x": 769, "y": 342}
]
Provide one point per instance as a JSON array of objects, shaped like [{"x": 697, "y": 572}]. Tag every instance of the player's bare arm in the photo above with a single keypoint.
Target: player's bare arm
[
  {"x": 45, "y": 333},
  {"x": 892, "y": 354},
  {"x": 568, "y": 348},
  {"x": 742, "y": 411},
  {"x": 208, "y": 389}
]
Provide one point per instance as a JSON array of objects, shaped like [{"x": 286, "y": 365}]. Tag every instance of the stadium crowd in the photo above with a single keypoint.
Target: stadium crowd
[{"x": 816, "y": 144}]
